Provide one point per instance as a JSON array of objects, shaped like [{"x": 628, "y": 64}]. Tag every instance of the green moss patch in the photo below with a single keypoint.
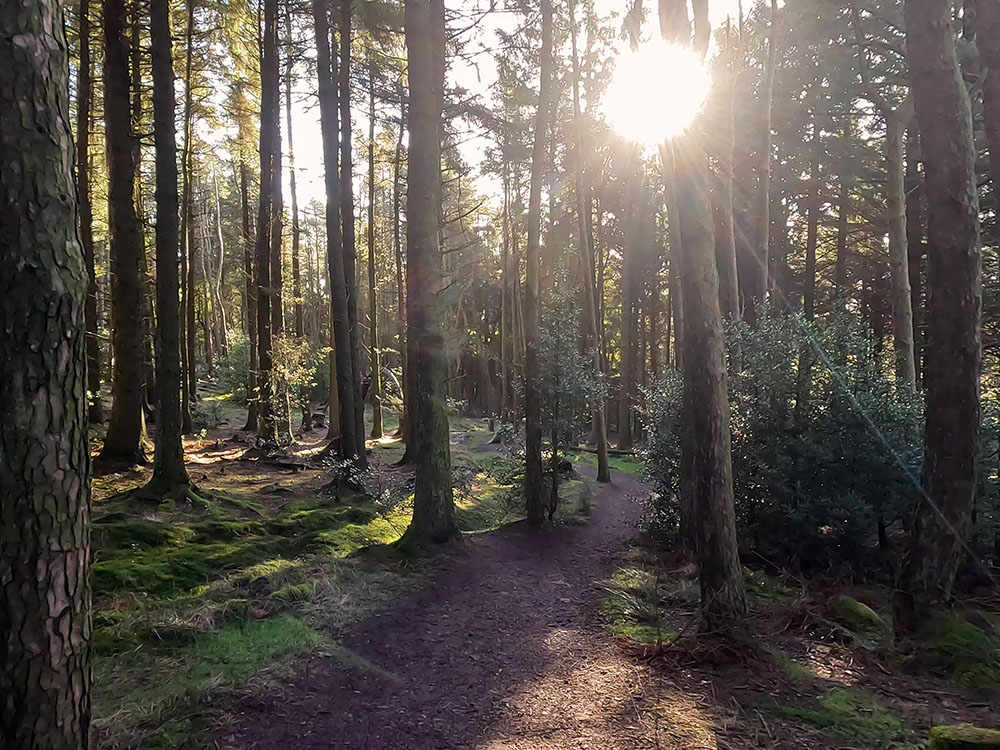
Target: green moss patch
[
  {"x": 963, "y": 737},
  {"x": 634, "y": 608},
  {"x": 967, "y": 652},
  {"x": 849, "y": 715}
]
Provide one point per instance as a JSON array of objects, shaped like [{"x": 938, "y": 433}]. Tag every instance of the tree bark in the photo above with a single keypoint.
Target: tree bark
[
  {"x": 266, "y": 218},
  {"x": 397, "y": 247},
  {"x": 126, "y": 430},
  {"x": 629, "y": 317},
  {"x": 725, "y": 234},
  {"x": 189, "y": 378},
  {"x": 249, "y": 299},
  {"x": 45, "y": 471},
  {"x": 534, "y": 503},
  {"x": 915, "y": 220},
  {"x": 340, "y": 324},
  {"x": 347, "y": 211},
  {"x": 902, "y": 310},
  {"x": 843, "y": 220},
  {"x": 169, "y": 473},
  {"x": 433, "y": 502},
  {"x": 954, "y": 355}
]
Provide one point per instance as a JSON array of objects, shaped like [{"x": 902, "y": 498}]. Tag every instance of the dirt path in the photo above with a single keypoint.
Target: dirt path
[{"x": 501, "y": 650}]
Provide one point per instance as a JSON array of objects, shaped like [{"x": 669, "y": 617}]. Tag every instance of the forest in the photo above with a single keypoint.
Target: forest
[{"x": 521, "y": 374}]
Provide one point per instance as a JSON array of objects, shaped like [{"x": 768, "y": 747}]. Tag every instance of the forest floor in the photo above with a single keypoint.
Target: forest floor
[{"x": 277, "y": 615}]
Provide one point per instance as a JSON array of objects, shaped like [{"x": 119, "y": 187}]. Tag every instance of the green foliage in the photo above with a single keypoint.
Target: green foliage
[
  {"x": 824, "y": 444},
  {"x": 859, "y": 615},
  {"x": 569, "y": 386},
  {"x": 850, "y": 715},
  {"x": 969, "y": 653}
]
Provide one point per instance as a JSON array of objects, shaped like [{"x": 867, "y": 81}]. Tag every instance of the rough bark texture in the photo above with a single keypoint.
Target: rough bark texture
[
  {"x": 954, "y": 301},
  {"x": 293, "y": 192},
  {"x": 534, "y": 503},
  {"x": 45, "y": 471},
  {"x": 433, "y": 501},
  {"x": 84, "y": 103},
  {"x": 126, "y": 430},
  {"x": 169, "y": 472},
  {"x": 709, "y": 476},
  {"x": 340, "y": 324}
]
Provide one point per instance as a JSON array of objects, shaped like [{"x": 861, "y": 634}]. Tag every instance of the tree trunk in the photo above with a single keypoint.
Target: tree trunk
[
  {"x": 915, "y": 219},
  {"x": 534, "y": 503},
  {"x": 45, "y": 471},
  {"x": 725, "y": 235},
  {"x": 296, "y": 230},
  {"x": 347, "y": 211},
  {"x": 249, "y": 300},
  {"x": 84, "y": 104},
  {"x": 433, "y": 501},
  {"x": 630, "y": 247},
  {"x": 902, "y": 310},
  {"x": 218, "y": 301},
  {"x": 397, "y": 248},
  {"x": 762, "y": 214},
  {"x": 954, "y": 356},
  {"x": 126, "y": 430},
  {"x": 169, "y": 473},
  {"x": 269, "y": 139},
  {"x": 340, "y": 324},
  {"x": 376, "y": 356},
  {"x": 189, "y": 378},
  {"x": 843, "y": 221},
  {"x": 812, "y": 227},
  {"x": 585, "y": 227}
]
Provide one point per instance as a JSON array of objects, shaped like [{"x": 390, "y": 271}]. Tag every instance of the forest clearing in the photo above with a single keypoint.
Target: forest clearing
[{"x": 499, "y": 374}]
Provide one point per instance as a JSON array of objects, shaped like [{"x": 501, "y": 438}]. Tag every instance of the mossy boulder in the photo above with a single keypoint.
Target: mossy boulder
[
  {"x": 858, "y": 615},
  {"x": 964, "y": 737},
  {"x": 968, "y": 653}
]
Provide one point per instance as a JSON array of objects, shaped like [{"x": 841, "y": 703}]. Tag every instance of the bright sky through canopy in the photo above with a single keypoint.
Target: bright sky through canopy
[{"x": 656, "y": 92}]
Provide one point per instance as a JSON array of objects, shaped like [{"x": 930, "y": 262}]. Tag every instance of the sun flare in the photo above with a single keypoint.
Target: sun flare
[{"x": 656, "y": 92}]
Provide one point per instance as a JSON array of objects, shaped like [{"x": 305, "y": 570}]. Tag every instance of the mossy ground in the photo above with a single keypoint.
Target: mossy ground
[
  {"x": 191, "y": 599},
  {"x": 816, "y": 665}
]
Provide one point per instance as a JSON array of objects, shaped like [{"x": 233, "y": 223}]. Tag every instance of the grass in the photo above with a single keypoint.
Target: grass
[{"x": 631, "y": 464}]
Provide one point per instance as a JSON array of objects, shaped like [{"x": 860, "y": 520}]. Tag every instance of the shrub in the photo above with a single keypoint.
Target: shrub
[{"x": 826, "y": 449}]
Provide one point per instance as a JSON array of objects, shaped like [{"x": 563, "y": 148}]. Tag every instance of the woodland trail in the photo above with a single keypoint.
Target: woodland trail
[{"x": 501, "y": 650}]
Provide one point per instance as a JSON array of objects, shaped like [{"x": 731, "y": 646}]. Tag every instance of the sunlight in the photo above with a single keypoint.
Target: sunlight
[{"x": 656, "y": 92}]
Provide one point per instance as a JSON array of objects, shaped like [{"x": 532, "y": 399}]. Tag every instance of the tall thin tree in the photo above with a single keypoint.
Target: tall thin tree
[
  {"x": 433, "y": 500},
  {"x": 125, "y": 440},
  {"x": 534, "y": 504}
]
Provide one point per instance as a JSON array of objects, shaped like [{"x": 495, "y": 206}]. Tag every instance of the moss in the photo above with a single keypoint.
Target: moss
[
  {"x": 963, "y": 737},
  {"x": 294, "y": 592},
  {"x": 138, "y": 533},
  {"x": 787, "y": 664},
  {"x": 634, "y": 608},
  {"x": 858, "y": 615},
  {"x": 850, "y": 715},
  {"x": 762, "y": 588},
  {"x": 970, "y": 654},
  {"x": 152, "y": 692}
]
